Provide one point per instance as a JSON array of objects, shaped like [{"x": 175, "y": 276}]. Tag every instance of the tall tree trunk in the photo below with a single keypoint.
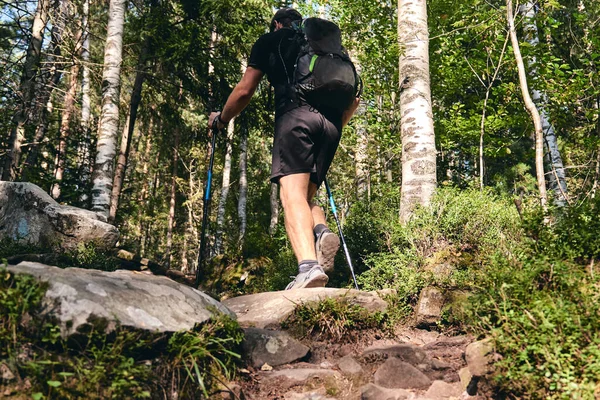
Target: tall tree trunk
[
  {"x": 243, "y": 198},
  {"x": 218, "y": 248},
  {"x": 44, "y": 103},
  {"x": 172, "y": 202},
  {"x": 86, "y": 104},
  {"x": 556, "y": 175},
  {"x": 109, "y": 116},
  {"x": 531, "y": 108},
  {"x": 418, "y": 138},
  {"x": 274, "y": 201},
  {"x": 84, "y": 151},
  {"x": 145, "y": 183},
  {"x": 127, "y": 134},
  {"x": 65, "y": 130},
  {"x": 26, "y": 92}
]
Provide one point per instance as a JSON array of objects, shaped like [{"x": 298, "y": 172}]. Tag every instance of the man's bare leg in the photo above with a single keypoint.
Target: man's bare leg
[{"x": 299, "y": 224}]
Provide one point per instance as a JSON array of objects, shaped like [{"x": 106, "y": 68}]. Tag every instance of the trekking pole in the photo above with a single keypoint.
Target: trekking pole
[
  {"x": 339, "y": 226},
  {"x": 206, "y": 207}
]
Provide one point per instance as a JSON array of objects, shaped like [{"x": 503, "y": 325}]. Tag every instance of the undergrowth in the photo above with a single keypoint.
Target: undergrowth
[
  {"x": 335, "y": 320},
  {"x": 542, "y": 307},
  {"x": 96, "y": 365}
]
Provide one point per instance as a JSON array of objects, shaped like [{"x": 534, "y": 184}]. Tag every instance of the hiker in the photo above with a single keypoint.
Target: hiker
[{"x": 304, "y": 144}]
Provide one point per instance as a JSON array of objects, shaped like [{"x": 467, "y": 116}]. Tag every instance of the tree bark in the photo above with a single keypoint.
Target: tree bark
[
  {"x": 172, "y": 202},
  {"x": 243, "y": 199},
  {"x": 127, "y": 134},
  {"x": 274, "y": 201},
  {"x": 26, "y": 92},
  {"x": 530, "y": 106},
  {"x": 218, "y": 248},
  {"x": 65, "y": 130},
  {"x": 556, "y": 176},
  {"x": 44, "y": 103},
  {"x": 109, "y": 116},
  {"x": 418, "y": 139}
]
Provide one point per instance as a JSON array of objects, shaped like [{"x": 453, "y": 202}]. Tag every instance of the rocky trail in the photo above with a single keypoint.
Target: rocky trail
[{"x": 411, "y": 364}]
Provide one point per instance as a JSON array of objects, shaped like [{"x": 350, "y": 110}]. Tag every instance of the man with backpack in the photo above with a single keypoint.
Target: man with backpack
[{"x": 316, "y": 94}]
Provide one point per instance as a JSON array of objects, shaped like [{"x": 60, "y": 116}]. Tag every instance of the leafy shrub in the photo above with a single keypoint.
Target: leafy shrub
[{"x": 541, "y": 306}]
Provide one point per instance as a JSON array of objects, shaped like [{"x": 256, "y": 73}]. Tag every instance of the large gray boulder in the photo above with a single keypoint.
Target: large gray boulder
[
  {"x": 78, "y": 297},
  {"x": 30, "y": 215},
  {"x": 269, "y": 309}
]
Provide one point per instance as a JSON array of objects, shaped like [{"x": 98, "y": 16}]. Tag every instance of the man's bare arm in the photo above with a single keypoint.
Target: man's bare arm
[
  {"x": 350, "y": 111},
  {"x": 240, "y": 97}
]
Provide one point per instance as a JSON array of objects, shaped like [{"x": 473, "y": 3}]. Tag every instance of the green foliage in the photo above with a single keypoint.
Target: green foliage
[
  {"x": 335, "y": 320},
  {"x": 206, "y": 354},
  {"x": 20, "y": 295},
  {"x": 88, "y": 256},
  {"x": 541, "y": 307}
]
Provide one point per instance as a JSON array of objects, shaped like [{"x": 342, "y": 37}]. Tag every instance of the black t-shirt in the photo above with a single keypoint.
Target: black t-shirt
[{"x": 275, "y": 54}]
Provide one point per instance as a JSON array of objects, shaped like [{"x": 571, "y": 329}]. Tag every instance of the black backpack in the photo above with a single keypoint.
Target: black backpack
[{"x": 324, "y": 75}]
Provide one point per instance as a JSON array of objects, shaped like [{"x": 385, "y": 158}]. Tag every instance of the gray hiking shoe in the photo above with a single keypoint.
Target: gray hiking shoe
[
  {"x": 311, "y": 279},
  {"x": 326, "y": 246}
]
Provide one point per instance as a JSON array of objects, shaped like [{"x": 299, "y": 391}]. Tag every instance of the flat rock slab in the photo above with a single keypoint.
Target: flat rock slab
[
  {"x": 79, "y": 297},
  {"x": 269, "y": 309},
  {"x": 397, "y": 374},
  {"x": 271, "y": 347},
  {"x": 404, "y": 351},
  {"x": 302, "y": 374},
  {"x": 29, "y": 215}
]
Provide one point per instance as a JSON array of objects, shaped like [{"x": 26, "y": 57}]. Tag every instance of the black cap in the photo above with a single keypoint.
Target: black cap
[{"x": 285, "y": 13}]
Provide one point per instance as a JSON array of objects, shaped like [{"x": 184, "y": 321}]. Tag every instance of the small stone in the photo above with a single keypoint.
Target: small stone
[
  {"x": 439, "y": 364},
  {"x": 429, "y": 308},
  {"x": 395, "y": 373},
  {"x": 374, "y": 392},
  {"x": 6, "y": 373},
  {"x": 443, "y": 390},
  {"x": 479, "y": 356},
  {"x": 349, "y": 366},
  {"x": 266, "y": 367},
  {"x": 272, "y": 347},
  {"x": 465, "y": 377},
  {"x": 345, "y": 350}
]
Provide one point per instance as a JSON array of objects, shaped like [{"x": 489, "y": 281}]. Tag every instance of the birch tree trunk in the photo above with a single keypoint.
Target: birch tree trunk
[
  {"x": 243, "y": 198},
  {"x": 127, "y": 134},
  {"x": 86, "y": 104},
  {"x": 26, "y": 92},
  {"x": 274, "y": 201},
  {"x": 556, "y": 176},
  {"x": 418, "y": 138},
  {"x": 530, "y": 106},
  {"x": 84, "y": 150},
  {"x": 218, "y": 248},
  {"x": 109, "y": 116},
  {"x": 361, "y": 156}
]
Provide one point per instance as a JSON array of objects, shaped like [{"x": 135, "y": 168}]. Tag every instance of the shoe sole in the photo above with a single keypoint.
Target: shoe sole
[
  {"x": 319, "y": 280},
  {"x": 327, "y": 248}
]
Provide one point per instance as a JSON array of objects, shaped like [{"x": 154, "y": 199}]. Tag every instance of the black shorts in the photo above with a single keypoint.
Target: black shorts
[{"x": 304, "y": 141}]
